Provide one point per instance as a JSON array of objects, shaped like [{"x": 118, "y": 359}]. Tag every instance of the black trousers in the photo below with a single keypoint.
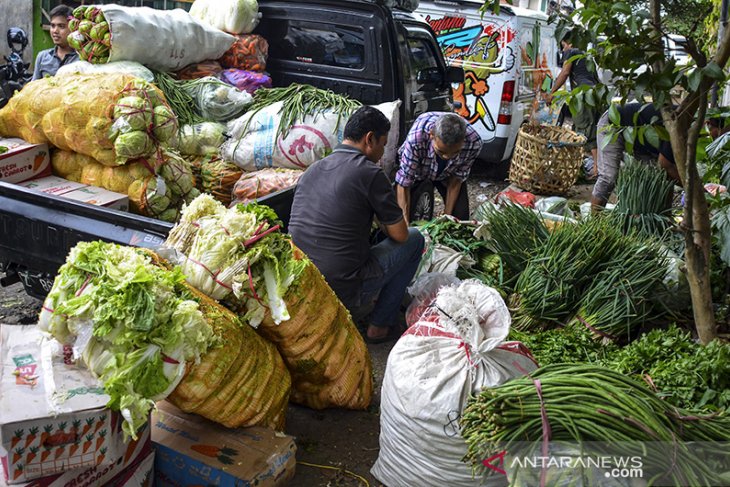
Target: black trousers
[{"x": 461, "y": 207}]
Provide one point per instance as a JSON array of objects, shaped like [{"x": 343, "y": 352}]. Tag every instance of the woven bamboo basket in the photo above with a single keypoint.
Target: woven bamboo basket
[{"x": 547, "y": 159}]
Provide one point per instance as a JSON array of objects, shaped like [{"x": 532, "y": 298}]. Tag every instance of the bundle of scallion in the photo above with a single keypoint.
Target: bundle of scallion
[
  {"x": 514, "y": 232},
  {"x": 619, "y": 300},
  {"x": 644, "y": 203},
  {"x": 579, "y": 404},
  {"x": 548, "y": 292}
]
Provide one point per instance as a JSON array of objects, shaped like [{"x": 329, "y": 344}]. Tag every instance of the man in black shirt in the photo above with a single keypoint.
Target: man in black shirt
[
  {"x": 611, "y": 154},
  {"x": 580, "y": 75},
  {"x": 332, "y": 215}
]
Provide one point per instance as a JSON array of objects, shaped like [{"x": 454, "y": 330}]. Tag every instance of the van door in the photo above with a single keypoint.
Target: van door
[{"x": 424, "y": 73}]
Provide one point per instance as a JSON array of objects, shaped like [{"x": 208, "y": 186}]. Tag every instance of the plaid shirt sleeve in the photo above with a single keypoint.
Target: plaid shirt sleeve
[
  {"x": 472, "y": 147},
  {"x": 413, "y": 152}
]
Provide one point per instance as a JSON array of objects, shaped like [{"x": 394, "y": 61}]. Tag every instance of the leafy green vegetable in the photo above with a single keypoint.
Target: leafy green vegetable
[
  {"x": 133, "y": 145},
  {"x": 238, "y": 255},
  {"x": 134, "y": 324},
  {"x": 571, "y": 344}
]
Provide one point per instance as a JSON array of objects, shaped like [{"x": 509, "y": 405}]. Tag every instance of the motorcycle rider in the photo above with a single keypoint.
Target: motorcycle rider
[{"x": 48, "y": 61}]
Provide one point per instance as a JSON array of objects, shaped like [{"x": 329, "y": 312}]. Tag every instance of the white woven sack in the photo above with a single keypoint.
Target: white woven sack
[
  {"x": 254, "y": 144},
  {"x": 431, "y": 372},
  {"x": 163, "y": 40},
  {"x": 234, "y": 16}
]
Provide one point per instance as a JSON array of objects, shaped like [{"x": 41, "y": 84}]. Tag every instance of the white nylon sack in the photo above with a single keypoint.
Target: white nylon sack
[
  {"x": 234, "y": 16},
  {"x": 125, "y": 67},
  {"x": 431, "y": 372},
  {"x": 164, "y": 40},
  {"x": 254, "y": 144}
]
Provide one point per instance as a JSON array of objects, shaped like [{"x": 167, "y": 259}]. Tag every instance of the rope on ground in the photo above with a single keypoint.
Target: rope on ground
[{"x": 329, "y": 467}]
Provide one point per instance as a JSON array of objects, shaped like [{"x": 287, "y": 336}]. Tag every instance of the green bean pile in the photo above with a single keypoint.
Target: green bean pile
[
  {"x": 585, "y": 403},
  {"x": 300, "y": 101},
  {"x": 643, "y": 193},
  {"x": 181, "y": 102},
  {"x": 548, "y": 292}
]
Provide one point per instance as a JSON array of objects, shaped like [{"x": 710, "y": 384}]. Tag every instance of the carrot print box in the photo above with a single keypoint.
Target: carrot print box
[{"x": 52, "y": 413}]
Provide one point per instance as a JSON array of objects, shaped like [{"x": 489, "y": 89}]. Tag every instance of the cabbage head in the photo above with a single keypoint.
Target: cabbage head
[
  {"x": 133, "y": 145},
  {"x": 135, "y": 111}
]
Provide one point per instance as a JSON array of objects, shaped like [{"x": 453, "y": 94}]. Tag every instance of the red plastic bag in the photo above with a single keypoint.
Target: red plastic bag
[
  {"x": 249, "y": 53},
  {"x": 524, "y": 198}
]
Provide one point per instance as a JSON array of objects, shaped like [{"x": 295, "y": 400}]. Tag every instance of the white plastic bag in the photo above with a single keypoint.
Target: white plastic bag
[
  {"x": 218, "y": 101},
  {"x": 126, "y": 67},
  {"x": 254, "y": 144},
  {"x": 431, "y": 372},
  {"x": 164, "y": 40},
  {"x": 424, "y": 290},
  {"x": 234, "y": 16}
]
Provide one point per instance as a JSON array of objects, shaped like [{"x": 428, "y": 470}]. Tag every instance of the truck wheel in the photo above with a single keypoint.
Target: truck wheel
[{"x": 422, "y": 202}]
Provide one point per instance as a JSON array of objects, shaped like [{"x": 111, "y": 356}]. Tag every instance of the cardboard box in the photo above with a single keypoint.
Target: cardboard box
[
  {"x": 52, "y": 185},
  {"x": 100, "y": 197},
  {"x": 52, "y": 414},
  {"x": 21, "y": 161},
  {"x": 190, "y": 450},
  {"x": 137, "y": 473}
]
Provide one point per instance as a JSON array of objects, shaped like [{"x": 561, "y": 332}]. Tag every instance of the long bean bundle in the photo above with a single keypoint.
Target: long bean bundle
[
  {"x": 181, "y": 102},
  {"x": 549, "y": 290},
  {"x": 301, "y": 100},
  {"x": 643, "y": 193},
  {"x": 583, "y": 403}
]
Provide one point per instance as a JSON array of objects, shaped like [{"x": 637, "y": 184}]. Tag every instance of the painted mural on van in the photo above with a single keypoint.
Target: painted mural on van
[{"x": 486, "y": 49}]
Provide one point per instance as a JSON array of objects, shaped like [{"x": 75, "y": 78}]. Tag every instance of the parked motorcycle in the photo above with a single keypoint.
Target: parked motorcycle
[{"x": 14, "y": 73}]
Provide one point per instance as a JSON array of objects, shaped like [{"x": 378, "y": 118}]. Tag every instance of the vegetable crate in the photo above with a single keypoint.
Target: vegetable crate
[
  {"x": 52, "y": 415},
  {"x": 547, "y": 159}
]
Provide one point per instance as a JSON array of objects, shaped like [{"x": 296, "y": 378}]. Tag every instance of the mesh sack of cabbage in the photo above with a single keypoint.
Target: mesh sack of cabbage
[
  {"x": 103, "y": 33},
  {"x": 238, "y": 256},
  {"x": 156, "y": 187},
  {"x": 113, "y": 118},
  {"x": 135, "y": 323}
]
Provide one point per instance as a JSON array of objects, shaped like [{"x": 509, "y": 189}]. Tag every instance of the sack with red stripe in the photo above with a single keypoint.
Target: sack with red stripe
[{"x": 446, "y": 360}]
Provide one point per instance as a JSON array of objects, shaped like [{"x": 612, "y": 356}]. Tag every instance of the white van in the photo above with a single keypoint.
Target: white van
[{"x": 507, "y": 59}]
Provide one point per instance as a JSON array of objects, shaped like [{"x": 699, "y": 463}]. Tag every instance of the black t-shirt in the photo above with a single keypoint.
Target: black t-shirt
[
  {"x": 332, "y": 214},
  {"x": 645, "y": 117},
  {"x": 579, "y": 73}
]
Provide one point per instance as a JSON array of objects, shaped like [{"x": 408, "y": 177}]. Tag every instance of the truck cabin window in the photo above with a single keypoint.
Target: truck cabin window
[{"x": 312, "y": 42}]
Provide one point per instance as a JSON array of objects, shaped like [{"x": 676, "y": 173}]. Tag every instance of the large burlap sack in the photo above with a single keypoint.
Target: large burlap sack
[
  {"x": 455, "y": 350},
  {"x": 163, "y": 40},
  {"x": 321, "y": 346},
  {"x": 254, "y": 143},
  {"x": 241, "y": 383},
  {"x": 111, "y": 117}
]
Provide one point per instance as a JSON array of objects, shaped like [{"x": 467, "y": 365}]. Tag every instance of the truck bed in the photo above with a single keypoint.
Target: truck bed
[{"x": 37, "y": 231}]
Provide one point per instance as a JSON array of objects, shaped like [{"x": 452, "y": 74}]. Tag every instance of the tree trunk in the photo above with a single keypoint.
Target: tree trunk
[{"x": 683, "y": 133}]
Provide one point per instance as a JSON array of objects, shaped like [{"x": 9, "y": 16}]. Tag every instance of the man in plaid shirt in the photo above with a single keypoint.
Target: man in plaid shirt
[{"x": 441, "y": 147}]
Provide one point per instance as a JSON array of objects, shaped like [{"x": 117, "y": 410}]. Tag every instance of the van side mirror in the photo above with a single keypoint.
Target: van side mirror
[
  {"x": 429, "y": 76},
  {"x": 454, "y": 74}
]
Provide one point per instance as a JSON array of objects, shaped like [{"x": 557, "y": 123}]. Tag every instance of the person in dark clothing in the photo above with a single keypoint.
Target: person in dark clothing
[
  {"x": 611, "y": 154},
  {"x": 332, "y": 214},
  {"x": 580, "y": 75}
]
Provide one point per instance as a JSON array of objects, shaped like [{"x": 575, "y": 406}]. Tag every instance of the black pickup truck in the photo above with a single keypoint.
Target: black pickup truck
[{"x": 360, "y": 48}]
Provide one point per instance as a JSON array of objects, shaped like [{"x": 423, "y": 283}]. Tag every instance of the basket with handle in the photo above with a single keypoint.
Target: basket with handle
[{"x": 547, "y": 159}]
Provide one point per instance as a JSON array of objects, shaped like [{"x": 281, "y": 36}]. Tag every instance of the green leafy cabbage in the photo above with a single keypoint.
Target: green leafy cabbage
[{"x": 133, "y": 323}]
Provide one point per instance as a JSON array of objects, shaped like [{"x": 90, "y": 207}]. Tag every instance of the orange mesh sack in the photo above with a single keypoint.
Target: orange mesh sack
[
  {"x": 200, "y": 70},
  {"x": 248, "y": 52},
  {"x": 254, "y": 185},
  {"x": 243, "y": 382},
  {"x": 326, "y": 355},
  {"x": 239, "y": 257},
  {"x": 114, "y": 118}
]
